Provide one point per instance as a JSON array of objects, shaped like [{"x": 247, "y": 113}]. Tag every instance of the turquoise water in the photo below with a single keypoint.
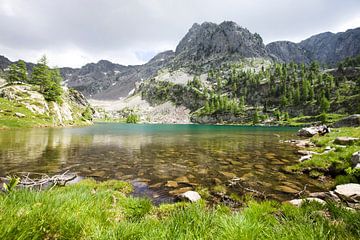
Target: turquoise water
[{"x": 151, "y": 155}]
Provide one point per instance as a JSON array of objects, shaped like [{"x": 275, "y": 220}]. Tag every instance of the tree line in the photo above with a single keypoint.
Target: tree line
[{"x": 47, "y": 79}]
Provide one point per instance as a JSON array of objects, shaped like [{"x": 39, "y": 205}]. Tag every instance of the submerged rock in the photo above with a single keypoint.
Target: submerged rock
[
  {"x": 228, "y": 174},
  {"x": 191, "y": 196},
  {"x": 286, "y": 189},
  {"x": 299, "y": 202},
  {"x": 182, "y": 179},
  {"x": 179, "y": 191},
  {"x": 171, "y": 184}
]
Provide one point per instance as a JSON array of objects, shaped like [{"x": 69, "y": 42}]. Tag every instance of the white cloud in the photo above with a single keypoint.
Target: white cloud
[{"x": 74, "y": 32}]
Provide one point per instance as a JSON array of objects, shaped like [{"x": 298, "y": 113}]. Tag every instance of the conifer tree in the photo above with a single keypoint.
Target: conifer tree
[{"x": 17, "y": 72}]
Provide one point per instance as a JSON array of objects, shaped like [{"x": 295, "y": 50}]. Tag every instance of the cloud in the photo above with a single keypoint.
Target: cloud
[{"x": 75, "y": 32}]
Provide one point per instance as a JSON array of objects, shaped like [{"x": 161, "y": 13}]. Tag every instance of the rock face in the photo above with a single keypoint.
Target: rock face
[
  {"x": 285, "y": 51},
  {"x": 212, "y": 42},
  {"x": 326, "y": 48},
  {"x": 350, "y": 121},
  {"x": 106, "y": 80},
  {"x": 329, "y": 48}
]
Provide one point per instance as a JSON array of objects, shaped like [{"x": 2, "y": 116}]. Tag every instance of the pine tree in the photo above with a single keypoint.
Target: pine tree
[
  {"x": 17, "y": 73},
  {"x": 305, "y": 90},
  {"x": 41, "y": 73},
  {"x": 324, "y": 104},
  {"x": 53, "y": 89},
  {"x": 256, "y": 117},
  {"x": 48, "y": 79},
  {"x": 297, "y": 96}
]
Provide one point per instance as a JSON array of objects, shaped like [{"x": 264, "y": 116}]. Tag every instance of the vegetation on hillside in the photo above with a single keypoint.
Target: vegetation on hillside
[
  {"x": 280, "y": 91},
  {"x": 49, "y": 80},
  {"x": 132, "y": 118},
  {"x": 90, "y": 210},
  {"x": 21, "y": 105}
]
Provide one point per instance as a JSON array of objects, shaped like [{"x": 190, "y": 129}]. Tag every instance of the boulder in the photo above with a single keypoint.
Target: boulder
[
  {"x": 327, "y": 196},
  {"x": 191, "y": 196},
  {"x": 307, "y": 132},
  {"x": 355, "y": 159},
  {"x": 312, "y": 131},
  {"x": 19, "y": 115},
  {"x": 349, "y": 191},
  {"x": 305, "y": 152},
  {"x": 304, "y": 158},
  {"x": 299, "y": 202},
  {"x": 345, "y": 140},
  {"x": 350, "y": 121}
]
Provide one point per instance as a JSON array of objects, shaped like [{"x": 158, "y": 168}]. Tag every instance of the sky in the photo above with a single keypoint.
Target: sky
[{"x": 72, "y": 33}]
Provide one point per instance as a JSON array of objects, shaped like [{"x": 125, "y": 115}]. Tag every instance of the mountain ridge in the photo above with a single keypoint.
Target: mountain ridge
[{"x": 204, "y": 46}]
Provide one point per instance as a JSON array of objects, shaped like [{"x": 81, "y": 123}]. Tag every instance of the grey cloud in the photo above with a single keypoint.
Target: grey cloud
[{"x": 98, "y": 28}]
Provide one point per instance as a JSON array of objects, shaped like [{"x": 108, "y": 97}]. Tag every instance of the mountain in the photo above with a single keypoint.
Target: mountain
[
  {"x": 209, "y": 45},
  {"x": 4, "y": 62},
  {"x": 326, "y": 48},
  {"x": 106, "y": 80},
  {"x": 285, "y": 51},
  {"x": 206, "y": 46},
  {"x": 210, "y": 42}
]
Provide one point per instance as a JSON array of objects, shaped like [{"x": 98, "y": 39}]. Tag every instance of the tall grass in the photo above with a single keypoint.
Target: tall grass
[{"x": 91, "y": 210}]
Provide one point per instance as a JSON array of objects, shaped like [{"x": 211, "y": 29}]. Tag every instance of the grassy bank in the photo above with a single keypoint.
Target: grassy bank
[
  {"x": 91, "y": 210},
  {"x": 8, "y": 119},
  {"x": 337, "y": 162},
  {"x": 15, "y": 115}
]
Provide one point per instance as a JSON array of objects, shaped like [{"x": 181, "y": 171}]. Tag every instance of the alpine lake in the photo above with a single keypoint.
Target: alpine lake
[{"x": 162, "y": 160}]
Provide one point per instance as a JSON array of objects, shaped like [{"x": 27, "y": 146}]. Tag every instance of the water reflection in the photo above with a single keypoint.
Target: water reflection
[{"x": 151, "y": 155}]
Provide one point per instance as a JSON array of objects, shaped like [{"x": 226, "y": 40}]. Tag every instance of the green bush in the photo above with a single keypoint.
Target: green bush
[{"x": 132, "y": 118}]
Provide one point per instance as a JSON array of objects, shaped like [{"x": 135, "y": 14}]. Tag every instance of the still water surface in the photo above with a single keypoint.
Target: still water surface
[{"x": 151, "y": 155}]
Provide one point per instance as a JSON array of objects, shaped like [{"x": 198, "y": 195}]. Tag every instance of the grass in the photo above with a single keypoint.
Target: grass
[
  {"x": 308, "y": 120},
  {"x": 335, "y": 162},
  {"x": 9, "y": 120},
  {"x": 90, "y": 210}
]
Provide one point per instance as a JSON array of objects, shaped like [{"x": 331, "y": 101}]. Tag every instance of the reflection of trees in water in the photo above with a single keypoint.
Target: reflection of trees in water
[{"x": 36, "y": 149}]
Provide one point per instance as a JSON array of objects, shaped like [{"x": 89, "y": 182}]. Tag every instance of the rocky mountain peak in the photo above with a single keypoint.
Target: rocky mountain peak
[
  {"x": 225, "y": 41},
  {"x": 163, "y": 56}
]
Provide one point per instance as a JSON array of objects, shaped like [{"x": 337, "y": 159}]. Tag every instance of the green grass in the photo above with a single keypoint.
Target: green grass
[
  {"x": 306, "y": 120},
  {"x": 335, "y": 162},
  {"x": 111, "y": 120},
  {"x": 9, "y": 120},
  {"x": 90, "y": 210}
]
